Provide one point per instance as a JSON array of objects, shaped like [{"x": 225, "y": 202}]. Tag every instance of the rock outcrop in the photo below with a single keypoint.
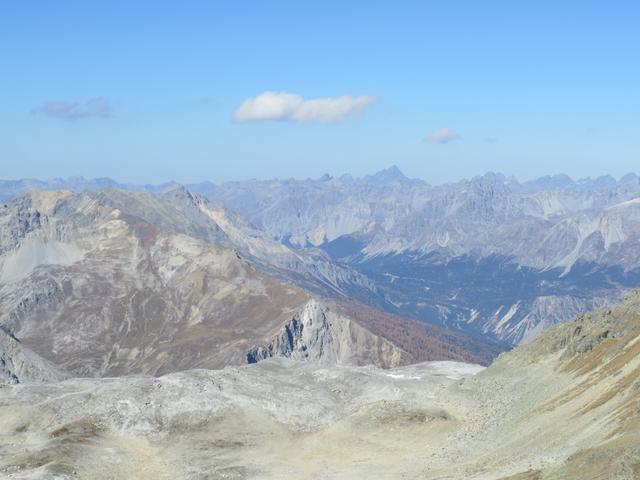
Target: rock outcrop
[
  {"x": 316, "y": 333},
  {"x": 18, "y": 364}
]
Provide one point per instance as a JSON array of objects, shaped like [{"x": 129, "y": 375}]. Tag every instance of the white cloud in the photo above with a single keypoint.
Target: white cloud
[
  {"x": 331, "y": 110},
  {"x": 72, "y": 111},
  {"x": 443, "y": 135},
  {"x": 290, "y": 106}
]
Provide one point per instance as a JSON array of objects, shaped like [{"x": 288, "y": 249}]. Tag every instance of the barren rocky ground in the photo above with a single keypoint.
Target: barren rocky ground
[{"x": 564, "y": 407}]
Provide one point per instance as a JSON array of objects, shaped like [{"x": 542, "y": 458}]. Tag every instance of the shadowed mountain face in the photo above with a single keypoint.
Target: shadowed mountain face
[
  {"x": 565, "y": 406},
  {"x": 116, "y": 282}
]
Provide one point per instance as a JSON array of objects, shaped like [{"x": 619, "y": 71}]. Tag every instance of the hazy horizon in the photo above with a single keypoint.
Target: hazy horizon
[{"x": 332, "y": 175}]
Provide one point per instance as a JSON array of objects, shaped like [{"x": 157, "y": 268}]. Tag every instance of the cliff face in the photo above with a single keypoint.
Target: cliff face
[
  {"x": 18, "y": 364},
  {"x": 317, "y": 333}
]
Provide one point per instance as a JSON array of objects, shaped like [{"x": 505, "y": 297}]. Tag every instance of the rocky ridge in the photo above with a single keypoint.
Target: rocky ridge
[{"x": 318, "y": 334}]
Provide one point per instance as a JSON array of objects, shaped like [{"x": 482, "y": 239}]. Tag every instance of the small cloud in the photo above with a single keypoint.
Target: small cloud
[
  {"x": 269, "y": 106},
  {"x": 443, "y": 135},
  {"x": 491, "y": 140},
  {"x": 72, "y": 111}
]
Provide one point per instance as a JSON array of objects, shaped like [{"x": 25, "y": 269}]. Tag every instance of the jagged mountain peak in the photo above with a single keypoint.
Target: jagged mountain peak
[
  {"x": 318, "y": 333},
  {"x": 178, "y": 192},
  {"x": 557, "y": 181},
  {"x": 490, "y": 178},
  {"x": 346, "y": 178},
  {"x": 601, "y": 182},
  {"x": 629, "y": 177},
  {"x": 387, "y": 175},
  {"x": 169, "y": 187}
]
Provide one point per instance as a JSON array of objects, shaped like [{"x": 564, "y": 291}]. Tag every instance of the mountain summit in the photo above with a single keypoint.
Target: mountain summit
[{"x": 388, "y": 175}]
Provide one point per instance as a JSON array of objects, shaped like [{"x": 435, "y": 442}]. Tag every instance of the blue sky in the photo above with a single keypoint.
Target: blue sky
[{"x": 151, "y": 91}]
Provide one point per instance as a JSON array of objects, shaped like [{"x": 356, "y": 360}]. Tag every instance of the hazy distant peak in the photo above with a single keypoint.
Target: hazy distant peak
[
  {"x": 629, "y": 177},
  {"x": 602, "y": 181},
  {"x": 174, "y": 188},
  {"x": 563, "y": 181},
  {"x": 490, "y": 178},
  {"x": 387, "y": 175},
  {"x": 560, "y": 180},
  {"x": 105, "y": 182}
]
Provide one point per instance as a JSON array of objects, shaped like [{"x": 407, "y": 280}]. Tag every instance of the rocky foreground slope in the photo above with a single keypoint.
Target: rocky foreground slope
[{"x": 566, "y": 406}]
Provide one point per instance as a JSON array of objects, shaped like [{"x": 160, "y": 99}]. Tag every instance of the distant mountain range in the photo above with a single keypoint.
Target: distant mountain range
[
  {"x": 12, "y": 188},
  {"x": 489, "y": 256}
]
